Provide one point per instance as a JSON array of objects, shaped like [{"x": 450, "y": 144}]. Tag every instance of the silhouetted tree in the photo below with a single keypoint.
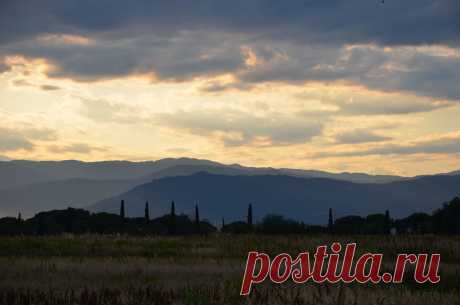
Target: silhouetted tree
[
  {"x": 106, "y": 223},
  {"x": 41, "y": 226},
  {"x": 349, "y": 224},
  {"x": 172, "y": 218},
  {"x": 330, "y": 223},
  {"x": 197, "y": 219},
  {"x": 146, "y": 211},
  {"x": 375, "y": 224},
  {"x": 387, "y": 228},
  {"x": 10, "y": 226},
  {"x": 250, "y": 215},
  {"x": 277, "y": 224},
  {"x": 446, "y": 219},
  {"x": 417, "y": 222},
  {"x": 122, "y": 209},
  {"x": 78, "y": 221}
]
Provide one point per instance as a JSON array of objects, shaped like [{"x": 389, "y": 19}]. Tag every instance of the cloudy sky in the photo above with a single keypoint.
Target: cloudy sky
[{"x": 338, "y": 85}]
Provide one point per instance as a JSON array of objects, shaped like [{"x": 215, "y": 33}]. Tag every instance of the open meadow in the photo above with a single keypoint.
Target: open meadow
[{"x": 103, "y": 270}]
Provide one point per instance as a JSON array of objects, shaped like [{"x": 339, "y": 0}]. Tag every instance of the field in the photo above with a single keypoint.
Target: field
[{"x": 93, "y": 269}]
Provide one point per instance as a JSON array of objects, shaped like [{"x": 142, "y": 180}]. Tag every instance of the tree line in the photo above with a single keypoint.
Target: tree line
[{"x": 79, "y": 221}]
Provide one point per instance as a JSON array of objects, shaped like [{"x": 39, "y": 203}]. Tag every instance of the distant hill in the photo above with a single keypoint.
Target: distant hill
[
  {"x": 19, "y": 173},
  {"x": 351, "y": 177},
  {"x": 454, "y": 173},
  {"x": 186, "y": 170},
  {"x": 31, "y": 186},
  {"x": 306, "y": 199},
  {"x": 235, "y": 169}
]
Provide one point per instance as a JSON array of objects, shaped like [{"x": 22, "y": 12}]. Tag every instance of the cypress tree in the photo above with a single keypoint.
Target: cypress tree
[
  {"x": 173, "y": 209},
  {"x": 387, "y": 228},
  {"x": 122, "y": 209},
  {"x": 19, "y": 217},
  {"x": 197, "y": 219},
  {"x": 223, "y": 223},
  {"x": 172, "y": 218},
  {"x": 147, "y": 211},
  {"x": 330, "y": 223},
  {"x": 250, "y": 215}
]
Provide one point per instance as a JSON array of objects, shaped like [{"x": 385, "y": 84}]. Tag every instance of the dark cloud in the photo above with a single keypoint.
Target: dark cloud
[
  {"x": 429, "y": 74},
  {"x": 216, "y": 87},
  {"x": 11, "y": 140},
  {"x": 338, "y": 21},
  {"x": 49, "y": 87},
  {"x": 182, "y": 57},
  {"x": 295, "y": 41},
  {"x": 399, "y": 69},
  {"x": 44, "y": 87},
  {"x": 360, "y": 136},
  {"x": 199, "y": 54},
  {"x": 442, "y": 145},
  {"x": 358, "y": 101},
  {"x": 22, "y": 83},
  {"x": 3, "y": 66},
  {"x": 23, "y": 137}
]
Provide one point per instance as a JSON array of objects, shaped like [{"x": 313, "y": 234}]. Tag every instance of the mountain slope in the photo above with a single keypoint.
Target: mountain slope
[
  {"x": 234, "y": 169},
  {"x": 186, "y": 170},
  {"x": 80, "y": 192},
  {"x": 20, "y": 173},
  {"x": 306, "y": 199},
  {"x": 23, "y": 183},
  {"x": 351, "y": 177}
]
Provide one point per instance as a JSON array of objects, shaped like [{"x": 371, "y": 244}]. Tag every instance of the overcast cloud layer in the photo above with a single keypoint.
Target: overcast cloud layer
[
  {"x": 410, "y": 22},
  {"x": 296, "y": 40}
]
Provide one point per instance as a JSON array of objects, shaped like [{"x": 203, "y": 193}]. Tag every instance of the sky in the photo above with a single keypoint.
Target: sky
[{"x": 338, "y": 85}]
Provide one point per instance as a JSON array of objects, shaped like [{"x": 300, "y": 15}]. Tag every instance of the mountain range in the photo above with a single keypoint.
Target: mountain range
[
  {"x": 32, "y": 186},
  {"x": 305, "y": 199}
]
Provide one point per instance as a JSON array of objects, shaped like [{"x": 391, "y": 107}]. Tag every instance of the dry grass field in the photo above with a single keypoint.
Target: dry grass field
[{"x": 111, "y": 270}]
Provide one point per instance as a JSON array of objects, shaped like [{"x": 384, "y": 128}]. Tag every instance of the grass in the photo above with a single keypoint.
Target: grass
[{"x": 71, "y": 270}]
